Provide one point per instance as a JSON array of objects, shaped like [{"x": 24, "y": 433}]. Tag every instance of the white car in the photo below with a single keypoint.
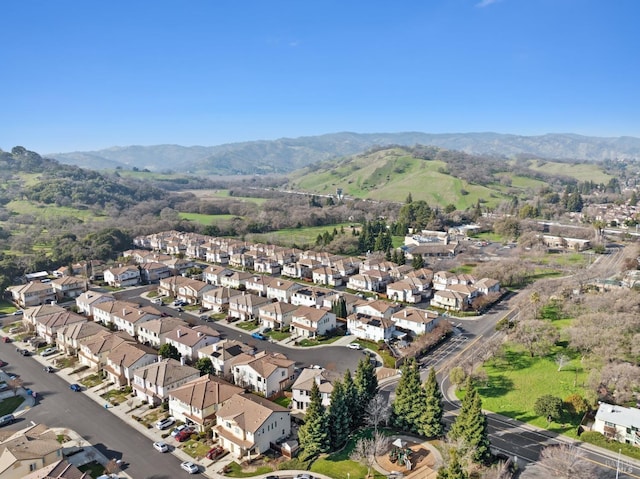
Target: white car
[
  {"x": 190, "y": 467},
  {"x": 48, "y": 352},
  {"x": 165, "y": 423},
  {"x": 353, "y": 346},
  {"x": 177, "y": 430},
  {"x": 160, "y": 446}
]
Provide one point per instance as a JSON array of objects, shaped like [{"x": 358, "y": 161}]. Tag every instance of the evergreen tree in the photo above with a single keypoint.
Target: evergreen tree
[
  {"x": 350, "y": 399},
  {"x": 402, "y": 259},
  {"x": 431, "y": 421},
  {"x": 338, "y": 416},
  {"x": 409, "y": 403},
  {"x": 417, "y": 262},
  {"x": 471, "y": 425},
  {"x": 394, "y": 256},
  {"x": 313, "y": 435},
  {"x": 366, "y": 384},
  {"x": 454, "y": 469}
]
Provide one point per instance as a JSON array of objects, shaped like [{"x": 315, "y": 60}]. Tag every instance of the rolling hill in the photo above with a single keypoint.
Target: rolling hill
[{"x": 288, "y": 154}]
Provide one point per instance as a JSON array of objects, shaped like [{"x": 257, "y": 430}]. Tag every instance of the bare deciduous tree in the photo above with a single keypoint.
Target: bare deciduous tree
[
  {"x": 15, "y": 384},
  {"x": 377, "y": 412},
  {"x": 366, "y": 450},
  {"x": 562, "y": 360},
  {"x": 536, "y": 336},
  {"x": 562, "y": 462}
]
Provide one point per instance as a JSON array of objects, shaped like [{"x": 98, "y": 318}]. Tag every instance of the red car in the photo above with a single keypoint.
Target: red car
[
  {"x": 6, "y": 339},
  {"x": 215, "y": 453},
  {"x": 185, "y": 434}
]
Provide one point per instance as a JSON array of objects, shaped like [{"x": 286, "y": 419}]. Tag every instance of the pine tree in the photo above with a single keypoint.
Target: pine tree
[
  {"x": 471, "y": 425},
  {"x": 366, "y": 384},
  {"x": 338, "y": 416},
  {"x": 408, "y": 404},
  {"x": 431, "y": 421},
  {"x": 350, "y": 399},
  {"x": 417, "y": 262},
  {"x": 313, "y": 435},
  {"x": 454, "y": 469}
]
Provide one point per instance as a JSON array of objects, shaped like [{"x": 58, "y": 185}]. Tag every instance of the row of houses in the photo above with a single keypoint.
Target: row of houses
[
  {"x": 44, "y": 291},
  {"x": 457, "y": 292}
]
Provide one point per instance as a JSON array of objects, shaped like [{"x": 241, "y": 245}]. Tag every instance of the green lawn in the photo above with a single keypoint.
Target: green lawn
[
  {"x": 278, "y": 335},
  {"x": 235, "y": 470},
  {"x": 319, "y": 341},
  {"x": 7, "y": 406},
  {"x": 196, "y": 449},
  {"x": 517, "y": 380},
  {"x": 387, "y": 359},
  {"x": 6, "y": 307},
  {"x": 91, "y": 380},
  {"x": 299, "y": 236},
  {"x": 247, "y": 325},
  {"x": 205, "y": 219},
  {"x": 339, "y": 466}
]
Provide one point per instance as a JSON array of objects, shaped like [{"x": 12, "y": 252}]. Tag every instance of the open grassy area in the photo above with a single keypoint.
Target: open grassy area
[
  {"x": 278, "y": 335},
  {"x": 6, "y": 307},
  {"x": 91, "y": 380},
  {"x": 235, "y": 470},
  {"x": 516, "y": 380},
  {"x": 224, "y": 194},
  {"x": 318, "y": 342},
  {"x": 579, "y": 171},
  {"x": 299, "y": 236},
  {"x": 25, "y": 207},
  {"x": 205, "y": 219},
  {"x": 339, "y": 466},
  {"x": 247, "y": 325},
  {"x": 196, "y": 449},
  {"x": 7, "y": 406}
]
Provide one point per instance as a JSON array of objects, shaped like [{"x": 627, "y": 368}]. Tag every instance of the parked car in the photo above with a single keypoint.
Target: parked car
[
  {"x": 15, "y": 329},
  {"x": 178, "y": 430},
  {"x": 215, "y": 452},
  {"x": 49, "y": 369},
  {"x": 258, "y": 336},
  {"x": 179, "y": 309},
  {"x": 232, "y": 319},
  {"x": 190, "y": 467},
  {"x": 18, "y": 312},
  {"x": 48, "y": 352},
  {"x": 12, "y": 376},
  {"x": 185, "y": 434},
  {"x": 75, "y": 387},
  {"x": 266, "y": 330},
  {"x": 2, "y": 363},
  {"x": 165, "y": 423},
  {"x": 6, "y": 339},
  {"x": 303, "y": 476},
  {"x": 160, "y": 446},
  {"x": 353, "y": 346},
  {"x": 272, "y": 477},
  {"x": 7, "y": 419},
  {"x": 24, "y": 352}
]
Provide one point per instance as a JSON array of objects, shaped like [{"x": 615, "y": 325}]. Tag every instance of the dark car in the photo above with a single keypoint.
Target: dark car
[
  {"x": 24, "y": 352},
  {"x": 49, "y": 369},
  {"x": 75, "y": 387},
  {"x": 6, "y": 339}
]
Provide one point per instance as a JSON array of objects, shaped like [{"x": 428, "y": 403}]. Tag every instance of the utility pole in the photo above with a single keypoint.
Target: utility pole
[{"x": 618, "y": 464}]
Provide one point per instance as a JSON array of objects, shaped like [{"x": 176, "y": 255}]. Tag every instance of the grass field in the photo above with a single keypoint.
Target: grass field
[
  {"x": 299, "y": 236},
  {"x": 339, "y": 466},
  {"x": 517, "y": 380},
  {"x": 205, "y": 219},
  {"x": 24, "y": 207},
  {"x": 223, "y": 194},
  {"x": 7, "y": 406},
  {"x": 579, "y": 171}
]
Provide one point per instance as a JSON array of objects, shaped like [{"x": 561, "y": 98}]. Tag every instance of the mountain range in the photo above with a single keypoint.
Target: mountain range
[{"x": 284, "y": 155}]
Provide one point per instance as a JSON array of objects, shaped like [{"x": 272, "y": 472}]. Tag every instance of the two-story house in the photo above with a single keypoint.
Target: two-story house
[
  {"x": 154, "y": 332},
  {"x": 218, "y": 299},
  {"x": 27, "y": 450},
  {"x": 48, "y": 326},
  {"x": 265, "y": 373},
  {"x": 124, "y": 359},
  {"x": 224, "y": 353},
  {"x": 153, "y": 272},
  {"x": 69, "y": 338},
  {"x": 33, "y": 293},
  {"x": 93, "y": 351},
  {"x": 418, "y": 321},
  {"x": 213, "y": 274},
  {"x": 276, "y": 315},
  {"x": 308, "y": 322},
  {"x": 247, "y": 424},
  {"x": 372, "y": 328},
  {"x": 198, "y": 400},
  {"x": 122, "y": 277},
  {"x": 326, "y": 275},
  {"x": 68, "y": 287},
  {"x": 282, "y": 290},
  {"x": 87, "y": 300},
  {"x": 246, "y": 306},
  {"x": 619, "y": 423},
  {"x": 235, "y": 279},
  {"x": 301, "y": 389},
  {"x": 377, "y": 308},
  {"x": 154, "y": 383},
  {"x": 189, "y": 340}
]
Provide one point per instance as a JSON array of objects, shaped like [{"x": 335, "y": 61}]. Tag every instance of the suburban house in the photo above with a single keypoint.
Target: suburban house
[
  {"x": 326, "y": 275},
  {"x": 48, "y": 326},
  {"x": 258, "y": 284},
  {"x": 276, "y": 315},
  {"x": 405, "y": 290},
  {"x": 58, "y": 470},
  {"x": 265, "y": 373},
  {"x": 224, "y": 353},
  {"x": 309, "y": 297},
  {"x": 372, "y": 280},
  {"x": 31, "y": 315},
  {"x": 449, "y": 300},
  {"x": 124, "y": 359},
  {"x": 242, "y": 260},
  {"x": 69, "y": 338},
  {"x": 301, "y": 389},
  {"x": 198, "y": 400},
  {"x": 68, "y": 287},
  {"x": 377, "y": 308},
  {"x": 213, "y": 274},
  {"x": 560, "y": 242},
  {"x": 443, "y": 279},
  {"x": 235, "y": 279},
  {"x": 155, "y": 331},
  {"x": 87, "y": 300},
  {"x": 154, "y": 272},
  {"x": 267, "y": 265},
  {"x": 372, "y": 328},
  {"x": 186, "y": 289},
  {"x": 246, "y": 305},
  {"x": 33, "y": 293},
  {"x": 218, "y": 299},
  {"x": 487, "y": 286},
  {"x": 130, "y": 317},
  {"x": 619, "y": 423},
  {"x": 93, "y": 351},
  {"x": 154, "y": 383},
  {"x": 282, "y": 290},
  {"x": 216, "y": 254},
  {"x": 308, "y": 322},
  {"x": 418, "y": 321},
  {"x": 122, "y": 277},
  {"x": 247, "y": 425},
  {"x": 189, "y": 340},
  {"x": 27, "y": 450}
]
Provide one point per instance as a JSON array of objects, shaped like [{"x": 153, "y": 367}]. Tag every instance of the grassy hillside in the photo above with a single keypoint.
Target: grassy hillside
[{"x": 392, "y": 174}]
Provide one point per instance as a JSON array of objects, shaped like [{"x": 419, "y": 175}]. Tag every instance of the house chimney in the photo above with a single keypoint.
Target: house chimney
[
  {"x": 405, "y": 313},
  {"x": 318, "y": 379},
  {"x": 124, "y": 311},
  {"x": 182, "y": 360},
  {"x": 179, "y": 333},
  {"x": 159, "y": 358},
  {"x": 200, "y": 334}
]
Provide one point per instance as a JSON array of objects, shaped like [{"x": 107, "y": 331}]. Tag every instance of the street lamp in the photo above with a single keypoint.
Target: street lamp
[{"x": 618, "y": 464}]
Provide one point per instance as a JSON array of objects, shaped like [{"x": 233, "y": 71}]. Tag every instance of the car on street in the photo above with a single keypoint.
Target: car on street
[
  {"x": 24, "y": 352},
  {"x": 12, "y": 376},
  {"x": 303, "y": 476},
  {"x": 18, "y": 312},
  {"x": 260, "y": 336},
  {"x": 49, "y": 369},
  {"x": 160, "y": 446},
  {"x": 165, "y": 423},
  {"x": 185, "y": 434},
  {"x": 190, "y": 467},
  {"x": 272, "y": 477},
  {"x": 7, "y": 419},
  {"x": 6, "y": 339},
  {"x": 48, "y": 352},
  {"x": 178, "y": 430},
  {"x": 353, "y": 346},
  {"x": 75, "y": 387},
  {"x": 215, "y": 452},
  {"x": 179, "y": 310},
  {"x": 2, "y": 363}
]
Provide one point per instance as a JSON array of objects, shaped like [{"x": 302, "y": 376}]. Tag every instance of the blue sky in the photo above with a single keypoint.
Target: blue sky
[{"x": 83, "y": 75}]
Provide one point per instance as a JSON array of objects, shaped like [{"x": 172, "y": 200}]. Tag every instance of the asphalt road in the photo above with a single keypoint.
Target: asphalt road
[{"x": 58, "y": 406}]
